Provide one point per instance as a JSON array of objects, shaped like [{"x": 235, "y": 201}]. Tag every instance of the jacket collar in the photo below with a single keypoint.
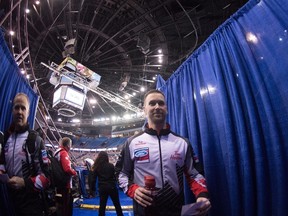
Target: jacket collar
[
  {"x": 151, "y": 131},
  {"x": 21, "y": 130}
]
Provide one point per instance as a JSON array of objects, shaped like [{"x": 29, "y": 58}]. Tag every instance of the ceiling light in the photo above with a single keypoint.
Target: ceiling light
[
  {"x": 27, "y": 11},
  {"x": 37, "y": 2},
  {"x": 139, "y": 114},
  {"x": 142, "y": 89},
  {"x": 93, "y": 101},
  {"x": 75, "y": 120},
  {"x": 127, "y": 116},
  {"x": 11, "y": 33},
  {"x": 159, "y": 50}
]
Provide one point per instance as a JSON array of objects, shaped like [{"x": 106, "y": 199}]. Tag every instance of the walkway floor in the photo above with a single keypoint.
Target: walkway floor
[{"x": 87, "y": 207}]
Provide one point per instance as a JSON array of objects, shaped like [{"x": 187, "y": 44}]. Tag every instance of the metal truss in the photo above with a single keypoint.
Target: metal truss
[{"x": 82, "y": 82}]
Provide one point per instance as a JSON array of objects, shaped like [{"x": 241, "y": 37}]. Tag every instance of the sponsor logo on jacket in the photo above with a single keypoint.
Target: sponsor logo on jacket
[
  {"x": 140, "y": 143},
  {"x": 44, "y": 156},
  {"x": 176, "y": 156},
  {"x": 141, "y": 155}
]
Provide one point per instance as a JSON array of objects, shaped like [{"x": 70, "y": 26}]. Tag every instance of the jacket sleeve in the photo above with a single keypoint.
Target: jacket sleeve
[
  {"x": 124, "y": 171},
  {"x": 196, "y": 181},
  {"x": 66, "y": 163},
  {"x": 2, "y": 154},
  {"x": 2, "y": 159},
  {"x": 40, "y": 180}
]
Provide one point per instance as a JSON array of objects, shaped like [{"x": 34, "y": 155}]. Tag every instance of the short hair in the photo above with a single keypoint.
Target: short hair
[
  {"x": 24, "y": 95},
  {"x": 151, "y": 92},
  {"x": 65, "y": 141}
]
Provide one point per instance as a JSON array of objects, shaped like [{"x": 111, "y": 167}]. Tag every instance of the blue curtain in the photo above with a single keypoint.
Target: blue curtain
[
  {"x": 11, "y": 83},
  {"x": 230, "y": 98}
]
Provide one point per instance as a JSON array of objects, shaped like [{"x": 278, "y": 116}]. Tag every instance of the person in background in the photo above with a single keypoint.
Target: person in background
[
  {"x": 159, "y": 152},
  {"x": 92, "y": 185},
  {"x": 105, "y": 172},
  {"x": 88, "y": 163},
  {"x": 27, "y": 175},
  {"x": 66, "y": 203}
]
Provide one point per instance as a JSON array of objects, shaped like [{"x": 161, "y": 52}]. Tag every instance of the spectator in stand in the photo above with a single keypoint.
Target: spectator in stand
[
  {"x": 105, "y": 172},
  {"x": 65, "y": 206}
]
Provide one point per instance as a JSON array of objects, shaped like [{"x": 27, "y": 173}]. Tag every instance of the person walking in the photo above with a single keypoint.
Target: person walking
[
  {"x": 164, "y": 155},
  {"x": 105, "y": 172}
]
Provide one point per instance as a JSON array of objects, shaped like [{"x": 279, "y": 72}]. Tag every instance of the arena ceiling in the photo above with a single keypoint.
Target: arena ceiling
[{"x": 127, "y": 42}]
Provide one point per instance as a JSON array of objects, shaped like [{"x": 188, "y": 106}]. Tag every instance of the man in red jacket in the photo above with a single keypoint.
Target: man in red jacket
[{"x": 62, "y": 155}]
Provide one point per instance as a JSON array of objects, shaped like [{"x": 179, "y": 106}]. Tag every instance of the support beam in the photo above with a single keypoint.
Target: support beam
[{"x": 79, "y": 80}]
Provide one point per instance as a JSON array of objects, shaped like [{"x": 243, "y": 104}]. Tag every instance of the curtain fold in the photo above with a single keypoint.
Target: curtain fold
[{"x": 230, "y": 99}]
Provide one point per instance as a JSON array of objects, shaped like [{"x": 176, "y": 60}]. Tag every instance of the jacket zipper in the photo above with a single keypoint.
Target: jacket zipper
[
  {"x": 160, "y": 156},
  {"x": 14, "y": 153}
]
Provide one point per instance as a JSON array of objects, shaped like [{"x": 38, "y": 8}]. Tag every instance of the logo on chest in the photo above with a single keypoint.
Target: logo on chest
[
  {"x": 141, "y": 155},
  {"x": 176, "y": 156},
  {"x": 140, "y": 143}
]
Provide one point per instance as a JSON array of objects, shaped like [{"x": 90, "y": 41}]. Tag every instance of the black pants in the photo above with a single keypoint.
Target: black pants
[
  {"x": 65, "y": 203},
  {"x": 156, "y": 210},
  {"x": 26, "y": 203},
  {"x": 91, "y": 184},
  {"x": 112, "y": 191}
]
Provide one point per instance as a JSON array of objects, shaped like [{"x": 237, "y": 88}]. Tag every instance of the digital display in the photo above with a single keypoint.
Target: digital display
[
  {"x": 69, "y": 96},
  {"x": 75, "y": 97},
  {"x": 56, "y": 96},
  {"x": 73, "y": 66}
]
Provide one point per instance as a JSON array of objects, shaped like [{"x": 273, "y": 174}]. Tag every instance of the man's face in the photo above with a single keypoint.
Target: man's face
[
  {"x": 69, "y": 146},
  {"x": 20, "y": 111},
  {"x": 155, "y": 108}
]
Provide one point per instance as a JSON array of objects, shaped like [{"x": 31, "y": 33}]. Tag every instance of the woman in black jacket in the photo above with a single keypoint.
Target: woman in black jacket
[{"x": 106, "y": 182}]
